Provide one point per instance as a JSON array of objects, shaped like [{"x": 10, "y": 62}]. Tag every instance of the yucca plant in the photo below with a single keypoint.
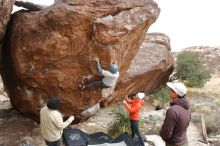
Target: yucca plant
[{"x": 120, "y": 123}]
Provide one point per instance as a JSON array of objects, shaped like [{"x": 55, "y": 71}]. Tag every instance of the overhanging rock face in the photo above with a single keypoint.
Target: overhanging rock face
[
  {"x": 50, "y": 52},
  {"x": 150, "y": 69}
]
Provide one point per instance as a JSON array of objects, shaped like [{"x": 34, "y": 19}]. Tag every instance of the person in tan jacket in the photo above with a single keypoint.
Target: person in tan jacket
[{"x": 51, "y": 122}]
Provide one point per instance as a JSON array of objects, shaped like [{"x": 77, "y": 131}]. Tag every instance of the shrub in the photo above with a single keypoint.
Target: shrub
[
  {"x": 152, "y": 124},
  {"x": 162, "y": 96},
  {"x": 189, "y": 68},
  {"x": 211, "y": 117},
  {"x": 196, "y": 107},
  {"x": 120, "y": 123},
  {"x": 212, "y": 122}
]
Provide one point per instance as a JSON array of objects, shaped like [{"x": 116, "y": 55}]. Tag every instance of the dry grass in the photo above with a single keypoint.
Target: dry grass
[
  {"x": 210, "y": 108},
  {"x": 211, "y": 89}
]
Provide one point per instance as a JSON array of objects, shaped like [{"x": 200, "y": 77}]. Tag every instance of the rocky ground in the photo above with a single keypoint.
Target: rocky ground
[{"x": 15, "y": 128}]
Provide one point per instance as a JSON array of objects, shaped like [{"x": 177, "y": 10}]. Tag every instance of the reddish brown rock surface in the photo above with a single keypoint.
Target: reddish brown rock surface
[
  {"x": 5, "y": 12},
  {"x": 150, "y": 69},
  {"x": 50, "y": 52}
]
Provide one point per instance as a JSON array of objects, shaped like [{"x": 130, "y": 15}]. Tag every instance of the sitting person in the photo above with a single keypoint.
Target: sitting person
[{"x": 109, "y": 80}]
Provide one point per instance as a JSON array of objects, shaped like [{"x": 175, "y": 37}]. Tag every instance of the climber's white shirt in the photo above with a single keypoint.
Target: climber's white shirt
[
  {"x": 109, "y": 79},
  {"x": 51, "y": 123}
]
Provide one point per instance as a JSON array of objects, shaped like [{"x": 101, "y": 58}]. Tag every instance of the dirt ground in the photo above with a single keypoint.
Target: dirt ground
[{"x": 14, "y": 128}]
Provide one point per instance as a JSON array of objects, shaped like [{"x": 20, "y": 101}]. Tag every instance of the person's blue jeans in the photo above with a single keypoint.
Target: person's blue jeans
[
  {"x": 53, "y": 143},
  {"x": 135, "y": 130}
]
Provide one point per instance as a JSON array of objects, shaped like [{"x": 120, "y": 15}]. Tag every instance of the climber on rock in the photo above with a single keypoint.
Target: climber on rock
[{"x": 109, "y": 80}]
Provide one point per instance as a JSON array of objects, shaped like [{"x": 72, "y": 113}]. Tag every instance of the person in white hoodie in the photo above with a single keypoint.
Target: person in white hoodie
[
  {"x": 51, "y": 122},
  {"x": 109, "y": 80}
]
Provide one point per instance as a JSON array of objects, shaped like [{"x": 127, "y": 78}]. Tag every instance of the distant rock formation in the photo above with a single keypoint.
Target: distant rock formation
[
  {"x": 210, "y": 57},
  {"x": 51, "y": 51}
]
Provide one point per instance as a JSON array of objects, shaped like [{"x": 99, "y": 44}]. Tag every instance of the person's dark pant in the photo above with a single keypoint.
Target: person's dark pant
[
  {"x": 54, "y": 143},
  {"x": 135, "y": 130},
  {"x": 96, "y": 84}
]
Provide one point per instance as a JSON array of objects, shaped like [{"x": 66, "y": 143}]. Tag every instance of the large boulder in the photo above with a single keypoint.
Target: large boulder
[
  {"x": 50, "y": 52},
  {"x": 5, "y": 13},
  {"x": 149, "y": 70}
]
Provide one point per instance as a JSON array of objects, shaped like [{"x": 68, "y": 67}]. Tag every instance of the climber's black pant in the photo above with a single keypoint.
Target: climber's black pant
[
  {"x": 96, "y": 84},
  {"x": 135, "y": 130}
]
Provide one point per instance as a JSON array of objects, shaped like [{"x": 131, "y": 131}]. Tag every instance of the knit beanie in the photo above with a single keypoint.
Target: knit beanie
[{"x": 53, "y": 103}]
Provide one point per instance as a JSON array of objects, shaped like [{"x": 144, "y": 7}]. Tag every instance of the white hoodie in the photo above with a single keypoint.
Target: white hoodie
[{"x": 109, "y": 79}]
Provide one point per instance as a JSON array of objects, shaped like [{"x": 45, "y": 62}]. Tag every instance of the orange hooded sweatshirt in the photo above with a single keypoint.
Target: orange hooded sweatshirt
[{"x": 134, "y": 109}]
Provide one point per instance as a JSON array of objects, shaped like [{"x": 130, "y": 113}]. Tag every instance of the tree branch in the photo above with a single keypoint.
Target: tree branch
[{"x": 30, "y": 6}]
